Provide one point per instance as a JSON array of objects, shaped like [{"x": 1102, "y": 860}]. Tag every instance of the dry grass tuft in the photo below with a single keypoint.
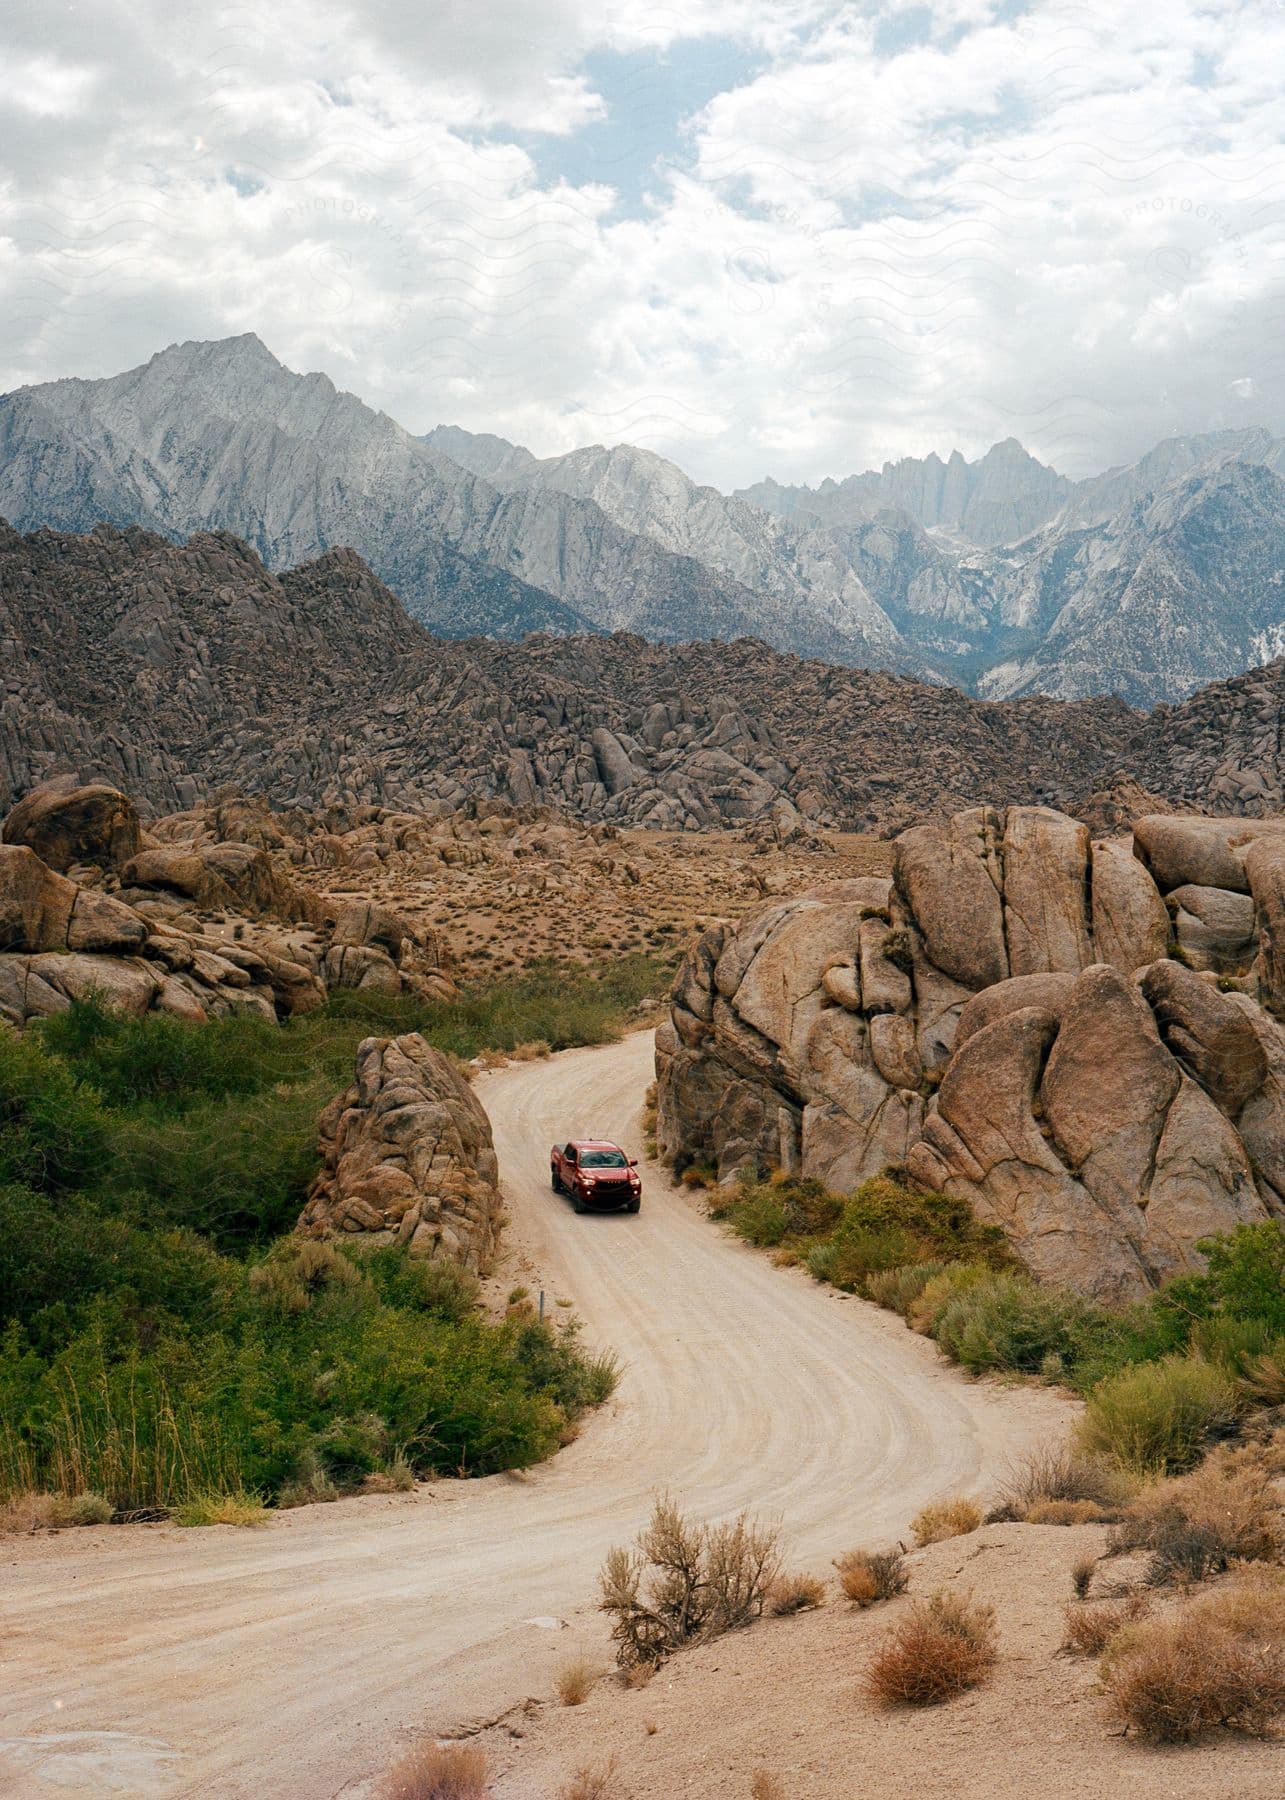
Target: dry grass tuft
[
  {"x": 684, "y": 1581},
  {"x": 1089, "y": 1629},
  {"x": 438, "y": 1772},
  {"x": 592, "y": 1781},
  {"x": 574, "y": 1681},
  {"x": 223, "y": 1509},
  {"x": 795, "y": 1593},
  {"x": 766, "y": 1786},
  {"x": 867, "y": 1576},
  {"x": 1082, "y": 1572},
  {"x": 1065, "y": 1512},
  {"x": 946, "y": 1519},
  {"x": 943, "y": 1646},
  {"x": 1059, "y": 1472},
  {"x": 638, "y": 1675},
  {"x": 21, "y": 1514}
]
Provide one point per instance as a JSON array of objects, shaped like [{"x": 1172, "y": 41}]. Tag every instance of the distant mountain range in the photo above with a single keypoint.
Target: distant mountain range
[{"x": 999, "y": 576}]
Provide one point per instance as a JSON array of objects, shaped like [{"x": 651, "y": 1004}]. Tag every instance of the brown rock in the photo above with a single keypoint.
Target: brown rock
[
  {"x": 1181, "y": 850},
  {"x": 1108, "y": 1086},
  {"x": 407, "y": 1155},
  {"x": 1211, "y": 1034},
  {"x": 1046, "y": 993},
  {"x": 1214, "y": 928},
  {"x": 1046, "y": 902},
  {"x": 41, "y": 910},
  {"x": 1130, "y": 923},
  {"x": 1265, "y": 875},
  {"x": 66, "y": 822},
  {"x": 950, "y": 880}
]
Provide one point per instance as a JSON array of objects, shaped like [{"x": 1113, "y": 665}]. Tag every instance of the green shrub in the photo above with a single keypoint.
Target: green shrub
[
  {"x": 898, "y": 1288},
  {"x": 1156, "y": 1418},
  {"x": 1006, "y": 1322}
]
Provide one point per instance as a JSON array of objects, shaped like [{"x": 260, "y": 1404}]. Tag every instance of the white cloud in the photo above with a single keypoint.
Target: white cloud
[{"x": 910, "y": 229}]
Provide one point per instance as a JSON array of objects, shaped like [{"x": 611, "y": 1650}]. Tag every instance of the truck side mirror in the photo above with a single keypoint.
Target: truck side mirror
[{"x": 633, "y": 1162}]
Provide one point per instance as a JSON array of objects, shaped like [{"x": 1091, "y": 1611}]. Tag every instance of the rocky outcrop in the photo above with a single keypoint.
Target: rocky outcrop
[
  {"x": 408, "y": 1158},
  {"x": 1015, "y": 1020},
  {"x": 192, "y": 928}
]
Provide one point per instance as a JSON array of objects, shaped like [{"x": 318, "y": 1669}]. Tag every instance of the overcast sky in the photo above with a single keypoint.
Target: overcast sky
[{"x": 797, "y": 237}]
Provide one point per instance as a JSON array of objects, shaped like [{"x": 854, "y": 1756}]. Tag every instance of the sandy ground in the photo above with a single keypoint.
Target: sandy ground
[
  {"x": 295, "y": 1660},
  {"x": 786, "y": 1697}
]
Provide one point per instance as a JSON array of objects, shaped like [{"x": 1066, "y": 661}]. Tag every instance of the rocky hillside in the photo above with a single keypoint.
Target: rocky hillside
[
  {"x": 1077, "y": 1038},
  {"x": 178, "y": 669},
  {"x": 174, "y": 670},
  {"x": 999, "y": 575}
]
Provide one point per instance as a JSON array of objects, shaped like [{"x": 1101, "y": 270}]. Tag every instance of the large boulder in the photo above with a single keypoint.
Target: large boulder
[
  {"x": 67, "y": 822},
  {"x": 42, "y": 910},
  {"x": 408, "y": 1158},
  {"x": 216, "y": 877}
]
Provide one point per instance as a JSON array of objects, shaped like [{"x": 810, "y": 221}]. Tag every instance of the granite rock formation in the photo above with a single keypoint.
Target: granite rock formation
[
  {"x": 408, "y": 1158},
  {"x": 190, "y": 927},
  {"x": 1078, "y": 1037}
]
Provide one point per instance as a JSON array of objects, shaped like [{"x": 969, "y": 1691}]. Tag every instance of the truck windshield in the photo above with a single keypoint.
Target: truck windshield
[{"x": 603, "y": 1159}]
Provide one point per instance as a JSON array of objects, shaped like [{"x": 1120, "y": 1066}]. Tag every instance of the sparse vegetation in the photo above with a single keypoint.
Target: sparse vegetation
[
  {"x": 1089, "y": 1629},
  {"x": 1217, "y": 1663},
  {"x": 1058, "y": 1475},
  {"x": 867, "y": 1576},
  {"x": 1198, "y": 1524},
  {"x": 574, "y": 1681},
  {"x": 764, "y": 1785},
  {"x": 438, "y": 1772},
  {"x": 795, "y": 1593},
  {"x": 685, "y": 1581},
  {"x": 941, "y": 1647},
  {"x": 950, "y": 1518},
  {"x": 593, "y": 1781}
]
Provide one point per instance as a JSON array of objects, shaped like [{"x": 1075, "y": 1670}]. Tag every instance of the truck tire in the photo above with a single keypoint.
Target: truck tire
[
  {"x": 633, "y": 1206},
  {"x": 576, "y": 1201},
  {"x": 554, "y": 1183}
]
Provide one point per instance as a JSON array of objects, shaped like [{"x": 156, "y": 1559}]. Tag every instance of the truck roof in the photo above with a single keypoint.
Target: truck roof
[{"x": 593, "y": 1143}]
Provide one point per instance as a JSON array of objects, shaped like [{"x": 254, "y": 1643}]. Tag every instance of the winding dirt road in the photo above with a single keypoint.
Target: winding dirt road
[{"x": 289, "y": 1661}]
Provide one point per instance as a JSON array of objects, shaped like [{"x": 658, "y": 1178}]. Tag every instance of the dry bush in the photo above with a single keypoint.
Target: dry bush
[
  {"x": 795, "y": 1593},
  {"x": 1082, "y": 1571},
  {"x": 592, "y": 1781},
  {"x": 637, "y": 1675},
  {"x": 867, "y": 1576},
  {"x": 1089, "y": 1629},
  {"x": 574, "y": 1681},
  {"x": 1064, "y": 1512},
  {"x": 766, "y": 1786},
  {"x": 536, "y": 1051},
  {"x": 685, "y": 1581},
  {"x": 1060, "y": 1472},
  {"x": 1196, "y": 1525},
  {"x": 1263, "y": 1377},
  {"x": 1175, "y": 1679},
  {"x": 943, "y": 1645},
  {"x": 946, "y": 1519},
  {"x": 438, "y": 1772},
  {"x": 397, "y": 1478},
  {"x": 22, "y": 1513}
]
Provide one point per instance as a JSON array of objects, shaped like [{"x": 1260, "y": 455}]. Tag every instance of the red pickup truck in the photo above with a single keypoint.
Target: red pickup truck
[{"x": 596, "y": 1174}]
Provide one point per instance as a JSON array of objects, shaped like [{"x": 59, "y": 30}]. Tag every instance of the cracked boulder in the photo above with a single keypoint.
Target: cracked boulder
[{"x": 407, "y": 1158}]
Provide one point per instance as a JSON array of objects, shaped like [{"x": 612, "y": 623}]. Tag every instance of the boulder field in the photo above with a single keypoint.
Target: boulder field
[
  {"x": 193, "y": 924},
  {"x": 1077, "y": 1037}
]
